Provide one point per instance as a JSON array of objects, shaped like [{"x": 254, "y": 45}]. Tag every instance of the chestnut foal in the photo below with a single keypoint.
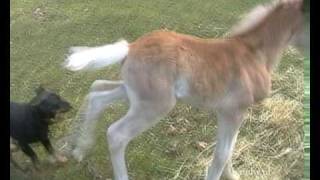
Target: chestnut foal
[{"x": 226, "y": 75}]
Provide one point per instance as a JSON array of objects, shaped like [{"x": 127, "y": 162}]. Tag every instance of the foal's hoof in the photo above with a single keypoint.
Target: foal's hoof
[
  {"x": 232, "y": 176},
  {"x": 77, "y": 155}
]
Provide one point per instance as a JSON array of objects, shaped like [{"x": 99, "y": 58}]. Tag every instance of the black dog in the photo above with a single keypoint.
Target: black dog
[{"x": 29, "y": 123}]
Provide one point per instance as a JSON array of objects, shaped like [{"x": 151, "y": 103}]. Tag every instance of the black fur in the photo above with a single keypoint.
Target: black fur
[{"x": 29, "y": 122}]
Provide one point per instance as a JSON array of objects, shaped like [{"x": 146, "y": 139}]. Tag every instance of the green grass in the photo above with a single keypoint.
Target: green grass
[{"x": 270, "y": 141}]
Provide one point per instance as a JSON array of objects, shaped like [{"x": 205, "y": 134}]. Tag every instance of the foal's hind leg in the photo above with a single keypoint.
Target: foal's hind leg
[
  {"x": 104, "y": 85},
  {"x": 142, "y": 115},
  {"x": 94, "y": 105}
]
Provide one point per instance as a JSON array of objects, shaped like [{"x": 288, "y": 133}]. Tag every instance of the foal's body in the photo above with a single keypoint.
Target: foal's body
[
  {"x": 226, "y": 75},
  {"x": 203, "y": 72}
]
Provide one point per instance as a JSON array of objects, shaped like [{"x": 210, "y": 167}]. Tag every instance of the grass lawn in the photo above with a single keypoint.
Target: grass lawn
[{"x": 270, "y": 144}]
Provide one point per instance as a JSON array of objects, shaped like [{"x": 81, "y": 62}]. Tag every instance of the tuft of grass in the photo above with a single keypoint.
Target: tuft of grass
[{"x": 270, "y": 143}]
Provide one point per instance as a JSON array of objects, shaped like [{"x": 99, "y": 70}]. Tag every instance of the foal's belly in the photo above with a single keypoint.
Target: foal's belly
[
  {"x": 184, "y": 94},
  {"x": 233, "y": 96}
]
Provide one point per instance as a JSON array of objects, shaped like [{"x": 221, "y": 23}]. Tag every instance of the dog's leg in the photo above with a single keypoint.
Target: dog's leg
[
  {"x": 47, "y": 144},
  {"x": 142, "y": 115},
  {"x": 95, "y": 103},
  {"x": 28, "y": 151},
  {"x": 228, "y": 128}
]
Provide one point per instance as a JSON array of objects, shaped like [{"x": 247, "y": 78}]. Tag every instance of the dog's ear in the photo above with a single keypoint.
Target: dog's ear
[{"x": 40, "y": 89}]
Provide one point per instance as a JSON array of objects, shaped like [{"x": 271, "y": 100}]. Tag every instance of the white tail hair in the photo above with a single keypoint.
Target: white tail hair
[{"x": 90, "y": 58}]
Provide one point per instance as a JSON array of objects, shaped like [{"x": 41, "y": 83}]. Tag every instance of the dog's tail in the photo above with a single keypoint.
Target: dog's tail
[{"x": 91, "y": 58}]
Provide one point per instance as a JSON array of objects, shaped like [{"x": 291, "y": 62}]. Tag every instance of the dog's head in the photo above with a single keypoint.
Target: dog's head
[{"x": 49, "y": 104}]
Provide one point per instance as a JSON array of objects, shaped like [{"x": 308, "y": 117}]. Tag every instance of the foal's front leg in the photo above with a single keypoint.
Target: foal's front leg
[{"x": 228, "y": 128}]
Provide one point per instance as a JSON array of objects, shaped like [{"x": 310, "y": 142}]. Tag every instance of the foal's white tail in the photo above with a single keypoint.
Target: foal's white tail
[{"x": 89, "y": 58}]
